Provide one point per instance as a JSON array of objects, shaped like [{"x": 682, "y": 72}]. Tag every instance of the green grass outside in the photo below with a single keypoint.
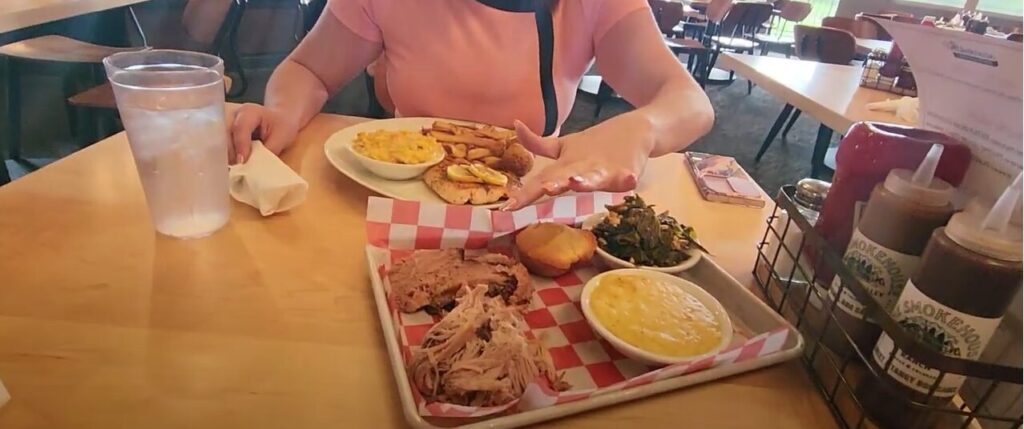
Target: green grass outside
[{"x": 819, "y": 9}]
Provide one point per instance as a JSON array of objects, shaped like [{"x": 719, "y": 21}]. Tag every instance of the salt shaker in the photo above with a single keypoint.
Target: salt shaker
[{"x": 810, "y": 195}]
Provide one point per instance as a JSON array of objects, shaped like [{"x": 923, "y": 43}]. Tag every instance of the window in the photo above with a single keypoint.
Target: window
[
  {"x": 1013, "y": 8},
  {"x": 1002, "y": 7},
  {"x": 950, "y": 4}
]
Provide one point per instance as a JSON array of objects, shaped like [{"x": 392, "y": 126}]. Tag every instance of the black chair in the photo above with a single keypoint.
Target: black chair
[
  {"x": 789, "y": 11},
  {"x": 92, "y": 112},
  {"x": 668, "y": 15},
  {"x": 743, "y": 22},
  {"x": 48, "y": 48}
]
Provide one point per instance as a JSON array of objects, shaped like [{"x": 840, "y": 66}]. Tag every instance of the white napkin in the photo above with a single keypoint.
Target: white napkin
[
  {"x": 905, "y": 108},
  {"x": 265, "y": 182}
]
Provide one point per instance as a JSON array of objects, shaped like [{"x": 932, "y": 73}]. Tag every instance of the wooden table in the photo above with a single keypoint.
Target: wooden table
[
  {"x": 269, "y": 322},
  {"x": 18, "y": 14},
  {"x": 829, "y": 93},
  {"x": 865, "y": 46}
]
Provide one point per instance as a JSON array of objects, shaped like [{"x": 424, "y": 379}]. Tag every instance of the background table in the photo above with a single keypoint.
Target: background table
[
  {"x": 17, "y": 14},
  {"x": 865, "y": 46},
  {"x": 829, "y": 93},
  {"x": 269, "y": 322}
]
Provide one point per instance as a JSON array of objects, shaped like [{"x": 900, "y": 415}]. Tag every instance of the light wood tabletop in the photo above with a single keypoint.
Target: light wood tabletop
[
  {"x": 829, "y": 93},
  {"x": 269, "y": 322},
  {"x": 18, "y": 14},
  {"x": 865, "y": 46}
]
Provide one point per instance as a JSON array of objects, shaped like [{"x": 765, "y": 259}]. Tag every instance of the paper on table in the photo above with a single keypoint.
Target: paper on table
[
  {"x": 969, "y": 87},
  {"x": 267, "y": 183}
]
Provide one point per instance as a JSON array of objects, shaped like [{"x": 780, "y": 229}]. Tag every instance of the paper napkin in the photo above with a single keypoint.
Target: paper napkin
[
  {"x": 266, "y": 183},
  {"x": 905, "y": 108}
]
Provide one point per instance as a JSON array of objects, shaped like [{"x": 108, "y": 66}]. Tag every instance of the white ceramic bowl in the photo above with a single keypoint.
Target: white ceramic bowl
[
  {"x": 614, "y": 262},
  {"x": 393, "y": 170},
  {"x": 644, "y": 356}
]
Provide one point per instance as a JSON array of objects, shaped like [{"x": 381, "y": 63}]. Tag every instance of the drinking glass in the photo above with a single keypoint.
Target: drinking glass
[{"x": 172, "y": 106}]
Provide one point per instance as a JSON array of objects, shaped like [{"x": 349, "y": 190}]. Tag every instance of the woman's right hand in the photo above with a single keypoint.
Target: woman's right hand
[{"x": 253, "y": 121}]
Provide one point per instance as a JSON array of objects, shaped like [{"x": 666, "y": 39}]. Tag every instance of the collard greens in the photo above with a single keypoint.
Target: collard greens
[{"x": 633, "y": 232}]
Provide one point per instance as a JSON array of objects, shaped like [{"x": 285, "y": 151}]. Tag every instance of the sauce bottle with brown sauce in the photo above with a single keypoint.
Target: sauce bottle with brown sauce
[
  {"x": 955, "y": 300},
  {"x": 886, "y": 246}
]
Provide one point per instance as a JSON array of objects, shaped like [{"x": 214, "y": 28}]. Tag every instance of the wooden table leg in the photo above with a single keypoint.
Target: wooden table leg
[{"x": 818, "y": 167}]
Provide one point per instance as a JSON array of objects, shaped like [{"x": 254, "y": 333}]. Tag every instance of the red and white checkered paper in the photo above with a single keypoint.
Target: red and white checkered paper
[{"x": 590, "y": 364}]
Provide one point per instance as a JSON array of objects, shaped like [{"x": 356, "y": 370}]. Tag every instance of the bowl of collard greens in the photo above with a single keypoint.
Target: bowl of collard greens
[{"x": 633, "y": 235}]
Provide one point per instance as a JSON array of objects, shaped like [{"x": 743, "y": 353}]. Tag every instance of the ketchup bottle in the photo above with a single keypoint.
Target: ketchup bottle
[{"x": 868, "y": 152}]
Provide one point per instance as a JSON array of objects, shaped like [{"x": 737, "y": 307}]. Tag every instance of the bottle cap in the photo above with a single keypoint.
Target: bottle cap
[
  {"x": 811, "y": 193},
  {"x": 921, "y": 186},
  {"x": 990, "y": 232}
]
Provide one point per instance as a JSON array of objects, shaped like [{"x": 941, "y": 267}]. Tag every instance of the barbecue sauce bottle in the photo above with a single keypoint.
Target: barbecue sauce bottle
[
  {"x": 886, "y": 246},
  {"x": 955, "y": 300}
]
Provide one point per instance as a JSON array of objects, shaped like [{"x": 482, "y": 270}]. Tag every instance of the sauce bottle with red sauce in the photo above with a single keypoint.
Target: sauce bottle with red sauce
[{"x": 868, "y": 153}]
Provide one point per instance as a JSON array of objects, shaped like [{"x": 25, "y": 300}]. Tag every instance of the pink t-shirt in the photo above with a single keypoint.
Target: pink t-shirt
[{"x": 461, "y": 59}]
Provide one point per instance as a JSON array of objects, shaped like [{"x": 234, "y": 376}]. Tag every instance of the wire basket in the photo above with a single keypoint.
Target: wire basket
[
  {"x": 850, "y": 384},
  {"x": 871, "y": 77}
]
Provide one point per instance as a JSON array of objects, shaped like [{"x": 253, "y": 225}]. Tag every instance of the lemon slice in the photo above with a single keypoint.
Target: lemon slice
[
  {"x": 461, "y": 173},
  {"x": 488, "y": 175}
]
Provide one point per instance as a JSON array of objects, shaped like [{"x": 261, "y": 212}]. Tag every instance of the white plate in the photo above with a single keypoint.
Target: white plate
[{"x": 412, "y": 190}]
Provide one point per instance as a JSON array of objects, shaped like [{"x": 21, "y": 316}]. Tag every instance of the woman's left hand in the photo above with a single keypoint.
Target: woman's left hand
[{"x": 607, "y": 157}]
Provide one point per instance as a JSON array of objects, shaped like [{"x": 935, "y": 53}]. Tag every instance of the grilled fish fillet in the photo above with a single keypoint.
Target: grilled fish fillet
[{"x": 459, "y": 193}]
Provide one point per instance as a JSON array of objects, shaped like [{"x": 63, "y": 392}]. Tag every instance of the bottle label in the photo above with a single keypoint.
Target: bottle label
[
  {"x": 954, "y": 333},
  {"x": 882, "y": 271}
]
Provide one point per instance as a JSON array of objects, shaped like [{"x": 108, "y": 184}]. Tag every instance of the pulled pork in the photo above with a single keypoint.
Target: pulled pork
[
  {"x": 431, "y": 279},
  {"x": 478, "y": 355}
]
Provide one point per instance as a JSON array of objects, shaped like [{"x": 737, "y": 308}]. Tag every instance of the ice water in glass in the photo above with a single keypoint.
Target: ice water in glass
[{"x": 172, "y": 107}]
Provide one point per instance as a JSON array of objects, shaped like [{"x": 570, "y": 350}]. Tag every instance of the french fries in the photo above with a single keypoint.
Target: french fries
[
  {"x": 494, "y": 147},
  {"x": 477, "y": 153},
  {"x": 490, "y": 161}
]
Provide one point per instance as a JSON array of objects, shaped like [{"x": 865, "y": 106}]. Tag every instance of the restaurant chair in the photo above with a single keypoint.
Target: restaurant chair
[
  {"x": 379, "y": 103},
  {"x": 790, "y": 12},
  {"x": 870, "y": 18},
  {"x": 695, "y": 20},
  {"x": 91, "y": 111},
  {"x": 667, "y": 15},
  {"x": 821, "y": 44},
  {"x": 309, "y": 13},
  {"x": 859, "y": 28},
  {"x": 202, "y": 26},
  {"x": 742, "y": 23},
  {"x": 48, "y": 48}
]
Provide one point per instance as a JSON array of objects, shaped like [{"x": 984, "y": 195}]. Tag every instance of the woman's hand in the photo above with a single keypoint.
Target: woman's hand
[
  {"x": 607, "y": 157},
  {"x": 253, "y": 121}
]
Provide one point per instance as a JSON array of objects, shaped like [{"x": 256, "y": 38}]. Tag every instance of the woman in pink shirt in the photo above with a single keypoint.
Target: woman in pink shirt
[{"x": 511, "y": 63}]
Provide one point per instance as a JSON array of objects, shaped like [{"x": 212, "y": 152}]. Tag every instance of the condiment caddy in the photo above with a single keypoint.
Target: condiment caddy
[{"x": 870, "y": 386}]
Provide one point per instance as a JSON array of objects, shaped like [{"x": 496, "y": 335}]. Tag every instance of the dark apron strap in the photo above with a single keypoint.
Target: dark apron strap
[{"x": 546, "y": 47}]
